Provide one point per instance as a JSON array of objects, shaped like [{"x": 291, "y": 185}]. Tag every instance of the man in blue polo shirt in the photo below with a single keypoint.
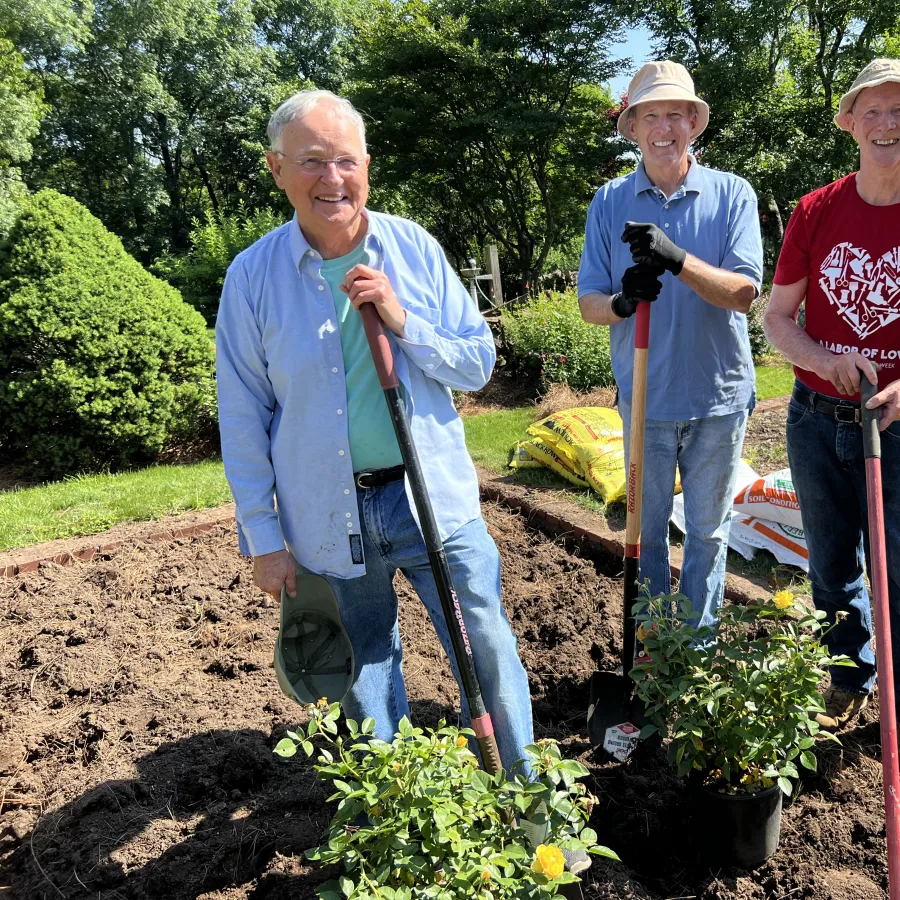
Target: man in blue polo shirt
[
  {"x": 304, "y": 420},
  {"x": 687, "y": 238}
]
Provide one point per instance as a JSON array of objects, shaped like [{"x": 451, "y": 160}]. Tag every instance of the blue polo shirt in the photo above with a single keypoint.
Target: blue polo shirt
[{"x": 699, "y": 362}]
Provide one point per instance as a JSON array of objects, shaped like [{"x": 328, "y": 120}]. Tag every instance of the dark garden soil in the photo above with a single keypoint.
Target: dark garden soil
[{"x": 139, "y": 708}]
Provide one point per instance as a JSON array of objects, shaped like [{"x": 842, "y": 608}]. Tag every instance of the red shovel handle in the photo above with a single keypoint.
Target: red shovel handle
[
  {"x": 380, "y": 346},
  {"x": 886, "y": 693}
]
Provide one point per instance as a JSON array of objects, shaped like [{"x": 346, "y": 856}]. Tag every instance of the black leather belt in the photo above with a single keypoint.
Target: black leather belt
[
  {"x": 373, "y": 478},
  {"x": 846, "y": 411}
]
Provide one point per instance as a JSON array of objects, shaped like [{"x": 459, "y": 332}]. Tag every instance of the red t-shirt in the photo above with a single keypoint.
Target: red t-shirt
[{"x": 850, "y": 252}]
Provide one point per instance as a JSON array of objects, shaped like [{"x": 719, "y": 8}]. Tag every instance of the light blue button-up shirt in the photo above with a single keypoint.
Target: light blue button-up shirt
[
  {"x": 283, "y": 400},
  {"x": 699, "y": 361}
]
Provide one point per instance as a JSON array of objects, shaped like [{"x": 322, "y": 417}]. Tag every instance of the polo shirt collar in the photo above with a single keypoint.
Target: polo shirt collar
[
  {"x": 302, "y": 253},
  {"x": 692, "y": 183}
]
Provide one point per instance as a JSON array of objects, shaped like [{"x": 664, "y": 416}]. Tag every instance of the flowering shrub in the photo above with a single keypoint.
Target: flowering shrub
[
  {"x": 548, "y": 339},
  {"x": 738, "y": 701},
  {"x": 416, "y": 818}
]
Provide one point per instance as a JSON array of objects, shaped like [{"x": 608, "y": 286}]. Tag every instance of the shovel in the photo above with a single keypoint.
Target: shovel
[
  {"x": 879, "y": 579},
  {"x": 462, "y": 650},
  {"x": 615, "y": 717}
]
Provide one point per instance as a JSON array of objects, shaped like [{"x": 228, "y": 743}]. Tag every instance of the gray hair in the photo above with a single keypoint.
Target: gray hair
[{"x": 301, "y": 103}]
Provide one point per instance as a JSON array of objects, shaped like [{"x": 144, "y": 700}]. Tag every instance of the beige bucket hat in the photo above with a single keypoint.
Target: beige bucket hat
[
  {"x": 664, "y": 80},
  {"x": 879, "y": 71}
]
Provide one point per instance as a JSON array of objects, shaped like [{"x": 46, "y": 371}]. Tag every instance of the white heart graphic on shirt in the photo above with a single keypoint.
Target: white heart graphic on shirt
[{"x": 866, "y": 294}]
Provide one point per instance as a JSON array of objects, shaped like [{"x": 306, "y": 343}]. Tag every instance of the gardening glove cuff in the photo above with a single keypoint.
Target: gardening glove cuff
[
  {"x": 623, "y": 306},
  {"x": 649, "y": 244}
]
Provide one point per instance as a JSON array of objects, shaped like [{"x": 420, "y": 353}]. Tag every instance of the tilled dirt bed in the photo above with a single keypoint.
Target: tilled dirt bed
[{"x": 139, "y": 709}]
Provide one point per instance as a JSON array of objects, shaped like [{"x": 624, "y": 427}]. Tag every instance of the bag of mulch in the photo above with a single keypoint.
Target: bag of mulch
[
  {"x": 786, "y": 543},
  {"x": 520, "y": 458},
  {"x": 772, "y": 499},
  {"x": 547, "y": 456},
  {"x": 589, "y": 442}
]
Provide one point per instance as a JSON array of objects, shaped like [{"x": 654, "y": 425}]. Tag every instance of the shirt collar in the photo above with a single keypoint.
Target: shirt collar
[
  {"x": 302, "y": 253},
  {"x": 692, "y": 183}
]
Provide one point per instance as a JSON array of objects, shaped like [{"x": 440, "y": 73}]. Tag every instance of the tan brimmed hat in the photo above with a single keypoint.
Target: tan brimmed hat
[
  {"x": 879, "y": 71},
  {"x": 658, "y": 81}
]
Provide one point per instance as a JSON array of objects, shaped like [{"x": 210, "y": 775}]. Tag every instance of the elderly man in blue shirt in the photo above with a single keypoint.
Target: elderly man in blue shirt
[
  {"x": 304, "y": 420},
  {"x": 687, "y": 238}
]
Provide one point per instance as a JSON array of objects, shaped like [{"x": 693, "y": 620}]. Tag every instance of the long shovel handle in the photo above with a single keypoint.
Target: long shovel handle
[
  {"x": 879, "y": 577},
  {"x": 635, "y": 484},
  {"x": 383, "y": 357}
]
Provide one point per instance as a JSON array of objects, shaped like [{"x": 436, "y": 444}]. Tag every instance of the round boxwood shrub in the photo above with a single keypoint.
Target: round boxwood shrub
[
  {"x": 547, "y": 339},
  {"x": 101, "y": 363}
]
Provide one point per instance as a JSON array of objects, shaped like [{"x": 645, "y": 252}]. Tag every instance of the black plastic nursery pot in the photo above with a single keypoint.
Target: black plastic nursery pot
[{"x": 740, "y": 830}]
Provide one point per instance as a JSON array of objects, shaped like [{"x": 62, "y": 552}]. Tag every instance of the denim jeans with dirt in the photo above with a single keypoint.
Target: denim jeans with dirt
[
  {"x": 829, "y": 474},
  {"x": 707, "y": 452},
  {"x": 392, "y": 541}
]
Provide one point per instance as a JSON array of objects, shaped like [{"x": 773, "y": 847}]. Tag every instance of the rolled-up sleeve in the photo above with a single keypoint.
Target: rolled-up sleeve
[
  {"x": 743, "y": 247},
  {"x": 595, "y": 270},
  {"x": 246, "y": 409},
  {"x": 457, "y": 349}
]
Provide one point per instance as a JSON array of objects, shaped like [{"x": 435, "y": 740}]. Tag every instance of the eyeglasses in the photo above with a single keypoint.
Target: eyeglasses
[{"x": 313, "y": 165}]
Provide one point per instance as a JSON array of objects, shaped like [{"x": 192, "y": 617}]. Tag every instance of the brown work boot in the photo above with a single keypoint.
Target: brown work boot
[{"x": 840, "y": 708}]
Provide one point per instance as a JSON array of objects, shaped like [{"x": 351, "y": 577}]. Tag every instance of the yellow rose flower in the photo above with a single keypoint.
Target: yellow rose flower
[
  {"x": 783, "y": 599},
  {"x": 461, "y": 741},
  {"x": 485, "y": 875},
  {"x": 549, "y": 861},
  {"x": 322, "y": 703}
]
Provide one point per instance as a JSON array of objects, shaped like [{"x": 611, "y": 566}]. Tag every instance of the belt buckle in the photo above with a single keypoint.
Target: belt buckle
[
  {"x": 359, "y": 478},
  {"x": 847, "y": 415}
]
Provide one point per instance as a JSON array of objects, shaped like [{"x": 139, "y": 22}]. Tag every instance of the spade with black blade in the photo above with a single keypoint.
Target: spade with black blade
[{"x": 615, "y": 716}]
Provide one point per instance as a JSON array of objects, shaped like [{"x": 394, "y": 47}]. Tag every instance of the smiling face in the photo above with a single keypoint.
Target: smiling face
[
  {"x": 329, "y": 202},
  {"x": 874, "y": 121},
  {"x": 663, "y": 131}
]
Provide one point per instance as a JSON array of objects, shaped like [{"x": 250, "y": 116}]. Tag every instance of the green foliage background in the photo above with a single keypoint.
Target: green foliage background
[{"x": 100, "y": 362}]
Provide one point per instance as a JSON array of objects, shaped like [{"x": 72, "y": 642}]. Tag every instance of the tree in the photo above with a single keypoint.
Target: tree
[
  {"x": 772, "y": 72},
  {"x": 487, "y": 120},
  {"x": 160, "y": 117}
]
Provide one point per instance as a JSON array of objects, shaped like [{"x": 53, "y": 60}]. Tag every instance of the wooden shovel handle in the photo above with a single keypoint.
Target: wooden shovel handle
[{"x": 638, "y": 418}]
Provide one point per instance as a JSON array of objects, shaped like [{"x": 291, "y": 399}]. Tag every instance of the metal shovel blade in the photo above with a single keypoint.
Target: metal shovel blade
[{"x": 609, "y": 719}]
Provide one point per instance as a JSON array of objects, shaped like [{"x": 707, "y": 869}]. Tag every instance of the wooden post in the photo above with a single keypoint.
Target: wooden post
[{"x": 493, "y": 266}]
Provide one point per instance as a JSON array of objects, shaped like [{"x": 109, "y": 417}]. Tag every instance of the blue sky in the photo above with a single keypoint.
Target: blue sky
[{"x": 637, "y": 47}]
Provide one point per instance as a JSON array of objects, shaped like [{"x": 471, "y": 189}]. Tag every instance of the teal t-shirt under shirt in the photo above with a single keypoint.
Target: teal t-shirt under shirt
[{"x": 373, "y": 444}]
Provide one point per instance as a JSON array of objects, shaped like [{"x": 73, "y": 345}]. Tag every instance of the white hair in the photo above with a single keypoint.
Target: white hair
[{"x": 301, "y": 103}]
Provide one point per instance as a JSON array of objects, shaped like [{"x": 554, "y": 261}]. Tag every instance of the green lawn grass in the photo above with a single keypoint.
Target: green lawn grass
[
  {"x": 774, "y": 381},
  {"x": 93, "y": 503}
]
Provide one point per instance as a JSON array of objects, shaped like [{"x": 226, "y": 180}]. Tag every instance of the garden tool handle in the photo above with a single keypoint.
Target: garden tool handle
[
  {"x": 871, "y": 434},
  {"x": 635, "y": 485},
  {"x": 380, "y": 346},
  {"x": 890, "y": 760},
  {"x": 383, "y": 357}
]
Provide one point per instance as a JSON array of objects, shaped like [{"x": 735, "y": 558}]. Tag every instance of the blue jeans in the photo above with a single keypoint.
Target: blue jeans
[
  {"x": 829, "y": 473},
  {"x": 707, "y": 452},
  {"x": 391, "y": 541}
]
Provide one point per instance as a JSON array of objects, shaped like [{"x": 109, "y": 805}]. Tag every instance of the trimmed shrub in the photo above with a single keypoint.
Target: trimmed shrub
[
  {"x": 100, "y": 362},
  {"x": 215, "y": 242},
  {"x": 546, "y": 338}
]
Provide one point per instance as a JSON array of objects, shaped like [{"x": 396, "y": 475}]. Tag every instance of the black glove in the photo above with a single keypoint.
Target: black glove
[
  {"x": 639, "y": 282},
  {"x": 650, "y": 245}
]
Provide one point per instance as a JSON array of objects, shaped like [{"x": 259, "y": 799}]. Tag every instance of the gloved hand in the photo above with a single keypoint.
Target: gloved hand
[
  {"x": 650, "y": 245},
  {"x": 639, "y": 282}
]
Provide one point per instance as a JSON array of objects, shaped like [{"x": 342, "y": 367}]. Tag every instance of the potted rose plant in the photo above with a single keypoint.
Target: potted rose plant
[
  {"x": 417, "y": 818},
  {"x": 737, "y": 703}
]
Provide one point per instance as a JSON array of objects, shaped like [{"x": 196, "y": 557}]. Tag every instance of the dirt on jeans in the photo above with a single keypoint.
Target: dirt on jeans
[{"x": 139, "y": 709}]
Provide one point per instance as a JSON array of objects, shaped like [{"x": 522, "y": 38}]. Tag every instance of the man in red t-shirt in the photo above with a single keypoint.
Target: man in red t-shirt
[{"x": 841, "y": 255}]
